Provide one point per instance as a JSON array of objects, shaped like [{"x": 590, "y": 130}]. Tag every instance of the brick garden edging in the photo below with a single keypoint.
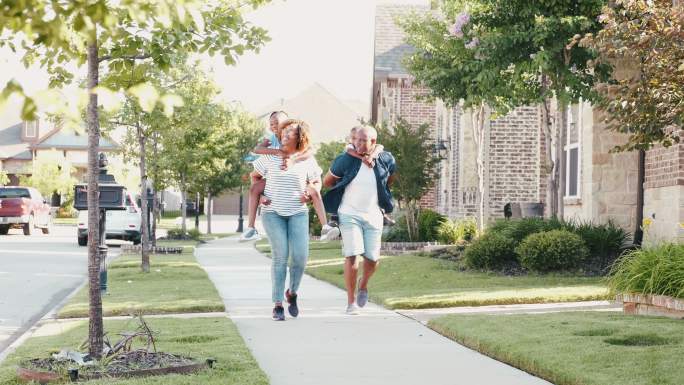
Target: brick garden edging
[
  {"x": 654, "y": 305},
  {"x": 401, "y": 247},
  {"x": 153, "y": 250}
]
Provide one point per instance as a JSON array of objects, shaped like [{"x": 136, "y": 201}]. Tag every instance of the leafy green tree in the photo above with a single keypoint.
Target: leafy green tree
[
  {"x": 232, "y": 138},
  {"x": 416, "y": 165},
  {"x": 50, "y": 173},
  {"x": 327, "y": 152},
  {"x": 646, "y": 100},
  {"x": 511, "y": 53},
  {"x": 4, "y": 179},
  {"x": 61, "y": 33}
]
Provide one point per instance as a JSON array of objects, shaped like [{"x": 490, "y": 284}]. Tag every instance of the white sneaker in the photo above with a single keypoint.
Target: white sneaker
[
  {"x": 328, "y": 232},
  {"x": 250, "y": 235},
  {"x": 352, "y": 309}
]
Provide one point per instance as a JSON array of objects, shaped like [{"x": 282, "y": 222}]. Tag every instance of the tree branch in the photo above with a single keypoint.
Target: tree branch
[{"x": 130, "y": 57}]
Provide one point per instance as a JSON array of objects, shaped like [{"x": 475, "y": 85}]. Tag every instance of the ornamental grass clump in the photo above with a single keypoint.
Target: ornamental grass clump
[{"x": 655, "y": 270}]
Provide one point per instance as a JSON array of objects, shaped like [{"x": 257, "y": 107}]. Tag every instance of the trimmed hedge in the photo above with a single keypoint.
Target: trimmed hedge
[
  {"x": 555, "y": 250},
  {"x": 491, "y": 251}
]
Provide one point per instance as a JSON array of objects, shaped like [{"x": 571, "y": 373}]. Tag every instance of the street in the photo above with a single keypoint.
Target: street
[{"x": 36, "y": 273}]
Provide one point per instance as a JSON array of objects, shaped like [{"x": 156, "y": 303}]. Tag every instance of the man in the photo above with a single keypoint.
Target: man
[{"x": 359, "y": 193}]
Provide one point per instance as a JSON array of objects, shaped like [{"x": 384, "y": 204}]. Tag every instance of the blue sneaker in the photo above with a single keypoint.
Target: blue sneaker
[
  {"x": 292, "y": 308},
  {"x": 362, "y": 297},
  {"x": 279, "y": 313}
]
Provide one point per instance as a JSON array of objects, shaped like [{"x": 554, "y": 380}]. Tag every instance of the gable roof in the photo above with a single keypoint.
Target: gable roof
[
  {"x": 330, "y": 118},
  {"x": 11, "y": 145},
  {"x": 390, "y": 47},
  {"x": 71, "y": 139}
]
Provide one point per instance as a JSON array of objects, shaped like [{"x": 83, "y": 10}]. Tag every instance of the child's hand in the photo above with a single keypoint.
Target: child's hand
[
  {"x": 265, "y": 201},
  {"x": 287, "y": 163},
  {"x": 305, "y": 198},
  {"x": 265, "y": 143},
  {"x": 369, "y": 161}
]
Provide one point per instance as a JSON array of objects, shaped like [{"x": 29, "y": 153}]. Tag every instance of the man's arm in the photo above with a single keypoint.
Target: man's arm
[{"x": 330, "y": 180}]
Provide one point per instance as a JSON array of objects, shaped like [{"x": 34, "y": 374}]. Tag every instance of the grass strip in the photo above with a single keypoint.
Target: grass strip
[
  {"x": 578, "y": 348},
  {"x": 199, "y": 338},
  {"x": 415, "y": 282},
  {"x": 175, "y": 284}
]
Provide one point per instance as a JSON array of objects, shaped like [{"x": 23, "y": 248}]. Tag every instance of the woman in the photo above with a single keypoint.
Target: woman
[{"x": 285, "y": 215}]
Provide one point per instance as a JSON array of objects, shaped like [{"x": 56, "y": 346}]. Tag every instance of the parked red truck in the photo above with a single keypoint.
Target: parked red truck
[{"x": 25, "y": 208}]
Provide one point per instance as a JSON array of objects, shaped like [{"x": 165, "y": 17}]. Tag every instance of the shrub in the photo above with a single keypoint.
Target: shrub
[
  {"x": 428, "y": 224},
  {"x": 175, "y": 233},
  {"x": 522, "y": 228},
  {"x": 655, "y": 270},
  {"x": 314, "y": 224},
  {"x": 604, "y": 241},
  {"x": 171, "y": 214},
  {"x": 454, "y": 231},
  {"x": 491, "y": 251},
  {"x": 66, "y": 212},
  {"x": 398, "y": 232},
  {"x": 554, "y": 250},
  {"x": 194, "y": 234}
]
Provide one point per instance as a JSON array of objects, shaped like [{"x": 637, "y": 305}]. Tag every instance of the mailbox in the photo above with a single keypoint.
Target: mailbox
[{"x": 112, "y": 196}]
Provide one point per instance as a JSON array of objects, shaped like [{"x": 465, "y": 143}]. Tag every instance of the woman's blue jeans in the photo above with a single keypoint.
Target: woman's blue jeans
[{"x": 288, "y": 236}]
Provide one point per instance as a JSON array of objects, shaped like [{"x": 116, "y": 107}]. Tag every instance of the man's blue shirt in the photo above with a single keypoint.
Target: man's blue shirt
[{"x": 346, "y": 167}]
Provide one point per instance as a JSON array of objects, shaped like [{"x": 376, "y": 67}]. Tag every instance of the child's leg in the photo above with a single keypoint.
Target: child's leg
[
  {"x": 255, "y": 191},
  {"x": 317, "y": 201}
]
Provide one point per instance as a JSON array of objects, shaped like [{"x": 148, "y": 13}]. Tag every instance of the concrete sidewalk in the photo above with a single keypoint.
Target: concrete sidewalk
[{"x": 326, "y": 346}]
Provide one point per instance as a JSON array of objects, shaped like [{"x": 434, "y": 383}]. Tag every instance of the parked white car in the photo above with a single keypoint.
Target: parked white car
[{"x": 120, "y": 224}]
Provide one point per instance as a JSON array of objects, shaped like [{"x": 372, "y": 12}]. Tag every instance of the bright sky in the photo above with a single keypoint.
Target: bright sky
[{"x": 324, "y": 41}]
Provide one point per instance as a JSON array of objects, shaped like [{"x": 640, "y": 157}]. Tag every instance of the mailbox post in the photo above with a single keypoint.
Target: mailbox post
[{"x": 111, "y": 196}]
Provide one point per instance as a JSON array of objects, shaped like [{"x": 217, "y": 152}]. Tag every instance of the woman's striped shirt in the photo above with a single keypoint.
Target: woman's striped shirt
[{"x": 285, "y": 187}]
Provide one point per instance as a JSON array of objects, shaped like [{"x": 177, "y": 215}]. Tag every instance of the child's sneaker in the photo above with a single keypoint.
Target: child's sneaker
[
  {"x": 250, "y": 235},
  {"x": 328, "y": 232},
  {"x": 279, "y": 313}
]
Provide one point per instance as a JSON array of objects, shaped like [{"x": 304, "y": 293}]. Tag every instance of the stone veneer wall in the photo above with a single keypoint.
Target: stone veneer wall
[{"x": 608, "y": 180}]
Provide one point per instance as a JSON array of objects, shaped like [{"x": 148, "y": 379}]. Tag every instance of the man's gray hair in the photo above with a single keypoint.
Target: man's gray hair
[{"x": 370, "y": 130}]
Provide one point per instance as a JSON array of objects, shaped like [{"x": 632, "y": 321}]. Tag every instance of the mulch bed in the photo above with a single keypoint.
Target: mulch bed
[{"x": 136, "y": 363}]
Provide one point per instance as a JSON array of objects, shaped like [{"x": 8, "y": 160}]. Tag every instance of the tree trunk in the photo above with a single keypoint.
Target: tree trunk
[
  {"x": 183, "y": 206},
  {"x": 549, "y": 165},
  {"x": 481, "y": 136},
  {"x": 95, "y": 328},
  {"x": 208, "y": 209},
  {"x": 145, "y": 249},
  {"x": 155, "y": 216},
  {"x": 155, "y": 180},
  {"x": 561, "y": 134}
]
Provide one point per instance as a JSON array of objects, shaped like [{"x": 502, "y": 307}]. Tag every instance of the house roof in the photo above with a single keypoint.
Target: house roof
[
  {"x": 390, "y": 45},
  {"x": 11, "y": 145},
  {"x": 329, "y": 117},
  {"x": 72, "y": 140}
]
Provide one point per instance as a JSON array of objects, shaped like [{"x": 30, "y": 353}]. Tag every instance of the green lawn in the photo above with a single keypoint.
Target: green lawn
[
  {"x": 65, "y": 221},
  {"x": 413, "y": 282},
  {"x": 199, "y": 337},
  {"x": 579, "y": 348},
  {"x": 175, "y": 284}
]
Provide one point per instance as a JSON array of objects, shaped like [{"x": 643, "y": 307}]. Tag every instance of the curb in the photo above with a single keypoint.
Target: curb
[
  {"x": 32, "y": 329},
  {"x": 50, "y": 315}
]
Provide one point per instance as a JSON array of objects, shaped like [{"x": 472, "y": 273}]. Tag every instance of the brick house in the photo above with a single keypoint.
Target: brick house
[
  {"x": 513, "y": 151},
  {"x": 600, "y": 185}
]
